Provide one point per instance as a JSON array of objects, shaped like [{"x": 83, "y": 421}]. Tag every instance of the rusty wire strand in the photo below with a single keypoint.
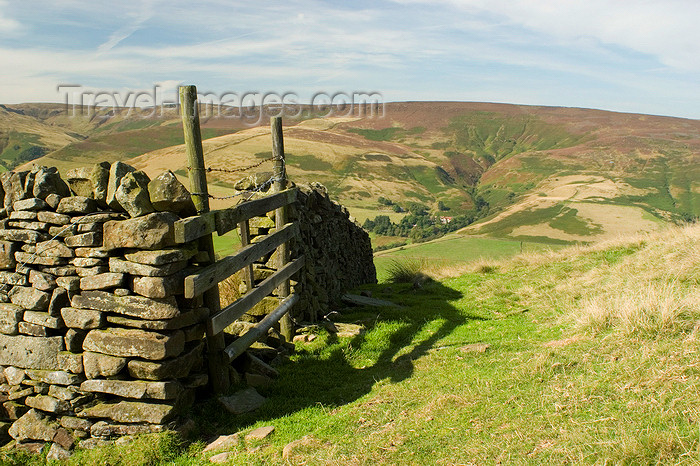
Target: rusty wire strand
[{"x": 235, "y": 170}]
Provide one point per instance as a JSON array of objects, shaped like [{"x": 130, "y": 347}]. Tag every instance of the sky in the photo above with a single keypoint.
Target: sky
[{"x": 623, "y": 55}]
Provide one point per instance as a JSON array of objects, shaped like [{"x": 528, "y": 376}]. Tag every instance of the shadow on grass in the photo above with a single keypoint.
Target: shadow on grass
[{"x": 328, "y": 374}]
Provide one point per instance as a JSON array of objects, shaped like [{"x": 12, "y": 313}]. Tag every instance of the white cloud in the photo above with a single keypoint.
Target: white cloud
[
  {"x": 665, "y": 30},
  {"x": 7, "y": 24}
]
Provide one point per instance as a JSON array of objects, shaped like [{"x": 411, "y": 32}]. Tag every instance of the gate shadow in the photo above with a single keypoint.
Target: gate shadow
[{"x": 327, "y": 377}]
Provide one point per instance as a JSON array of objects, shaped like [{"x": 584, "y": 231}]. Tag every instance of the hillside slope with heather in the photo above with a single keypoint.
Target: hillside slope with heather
[{"x": 520, "y": 172}]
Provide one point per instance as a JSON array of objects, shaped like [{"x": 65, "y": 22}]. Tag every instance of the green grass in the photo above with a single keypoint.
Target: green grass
[
  {"x": 227, "y": 244},
  {"x": 130, "y": 143},
  {"x": 17, "y": 148},
  {"x": 484, "y": 368},
  {"x": 387, "y": 134},
  {"x": 492, "y": 136},
  {"x": 455, "y": 250}
]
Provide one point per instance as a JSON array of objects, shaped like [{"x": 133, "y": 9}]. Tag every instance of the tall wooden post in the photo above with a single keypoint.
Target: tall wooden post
[
  {"x": 218, "y": 370},
  {"x": 280, "y": 183}
]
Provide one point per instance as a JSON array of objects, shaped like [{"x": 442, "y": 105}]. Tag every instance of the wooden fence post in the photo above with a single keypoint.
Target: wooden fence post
[
  {"x": 218, "y": 372},
  {"x": 280, "y": 183}
]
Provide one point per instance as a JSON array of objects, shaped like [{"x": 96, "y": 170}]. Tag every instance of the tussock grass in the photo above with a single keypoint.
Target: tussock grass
[{"x": 413, "y": 270}]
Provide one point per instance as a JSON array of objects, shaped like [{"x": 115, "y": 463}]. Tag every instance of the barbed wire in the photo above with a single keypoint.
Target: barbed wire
[
  {"x": 235, "y": 170},
  {"x": 262, "y": 187}
]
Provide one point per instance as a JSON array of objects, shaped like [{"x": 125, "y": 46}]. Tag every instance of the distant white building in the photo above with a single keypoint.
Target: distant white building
[{"x": 445, "y": 220}]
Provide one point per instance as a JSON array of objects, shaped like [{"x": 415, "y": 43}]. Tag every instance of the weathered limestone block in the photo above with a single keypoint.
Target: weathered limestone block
[
  {"x": 53, "y": 218},
  {"x": 135, "y": 343},
  {"x": 136, "y": 389},
  {"x": 42, "y": 281},
  {"x": 32, "y": 204},
  {"x": 105, "y": 430},
  {"x": 13, "y": 410},
  {"x": 13, "y": 278},
  {"x": 54, "y": 377},
  {"x": 102, "y": 281},
  {"x": 23, "y": 236},
  {"x": 116, "y": 173},
  {"x": 34, "y": 330},
  {"x": 54, "y": 248},
  {"x": 48, "y": 181},
  {"x": 87, "y": 262},
  {"x": 57, "y": 452},
  {"x": 169, "y": 195},
  {"x": 14, "y": 375},
  {"x": 76, "y": 205},
  {"x": 89, "y": 227},
  {"x": 185, "y": 319},
  {"x": 132, "y": 194},
  {"x": 75, "y": 423},
  {"x": 152, "y": 231},
  {"x": 70, "y": 362},
  {"x": 102, "y": 365},
  {"x": 7, "y": 254},
  {"x": 243, "y": 401},
  {"x": 47, "y": 403},
  {"x": 33, "y": 426},
  {"x": 84, "y": 240},
  {"x": 74, "y": 340},
  {"x": 30, "y": 352},
  {"x": 82, "y": 318},
  {"x": 30, "y": 298},
  {"x": 53, "y": 200},
  {"x": 91, "y": 271},
  {"x": 176, "y": 368},
  {"x": 131, "y": 412},
  {"x": 10, "y": 316},
  {"x": 27, "y": 215},
  {"x": 79, "y": 181},
  {"x": 69, "y": 283},
  {"x": 27, "y": 258},
  {"x": 134, "y": 306},
  {"x": 160, "y": 287},
  {"x": 134, "y": 268},
  {"x": 99, "y": 253},
  {"x": 63, "y": 231},
  {"x": 44, "y": 319},
  {"x": 59, "y": 300},
  {"x": 163, "y": 256},
  {"x": 38, "y": 226},
  {"x": 17, "y": 393}
]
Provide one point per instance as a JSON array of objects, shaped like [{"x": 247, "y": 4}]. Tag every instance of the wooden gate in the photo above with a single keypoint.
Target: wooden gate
[{"x": 200, "y": 228}]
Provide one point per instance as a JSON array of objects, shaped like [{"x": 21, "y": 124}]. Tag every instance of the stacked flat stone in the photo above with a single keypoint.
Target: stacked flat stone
[{"x": 96, "y": 339}]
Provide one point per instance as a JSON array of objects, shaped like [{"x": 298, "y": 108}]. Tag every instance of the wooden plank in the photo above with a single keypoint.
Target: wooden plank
[
  {"x": 197, "y": 284},
  {"x": 241, "y": 344},
  {"x": 248, "y": 274},
  {"x": 242, "y": 305},
  {"x": 228, "y": 219},
  {"x": 192, "y": 228},
  {"x": 218, "y": 372}
]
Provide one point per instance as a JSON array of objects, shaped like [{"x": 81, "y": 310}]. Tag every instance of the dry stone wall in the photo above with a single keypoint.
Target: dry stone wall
[
  {"x": 96, "y": 339},
  {"x": 337, "y": 250}
]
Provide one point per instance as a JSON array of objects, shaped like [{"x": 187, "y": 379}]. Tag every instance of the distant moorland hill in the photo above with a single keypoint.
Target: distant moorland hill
[{"x": 523, "y": 172}]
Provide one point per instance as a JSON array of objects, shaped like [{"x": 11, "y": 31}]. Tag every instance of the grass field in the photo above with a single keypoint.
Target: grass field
[
  {"x": 455, "y": 251},
  {"x": 582, "y": 356}
]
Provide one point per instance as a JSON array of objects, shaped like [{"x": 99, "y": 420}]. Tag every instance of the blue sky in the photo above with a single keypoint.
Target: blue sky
[{"x": 623, "y": 55}]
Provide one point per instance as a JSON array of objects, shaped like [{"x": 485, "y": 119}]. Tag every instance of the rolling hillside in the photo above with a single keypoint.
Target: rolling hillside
[{"x": 537, "y": 173}]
